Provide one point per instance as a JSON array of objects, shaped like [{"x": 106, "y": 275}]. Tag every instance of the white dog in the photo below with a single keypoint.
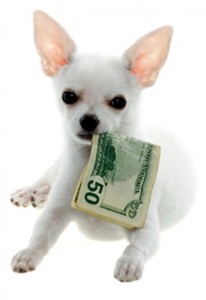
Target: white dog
[{"x": 96, "y": 95}]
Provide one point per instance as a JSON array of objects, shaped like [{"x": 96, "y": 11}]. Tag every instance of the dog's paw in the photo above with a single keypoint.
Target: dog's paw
[
  {"x": 39, "y": 196},
  {"x": 25, "y": 261},
  {"x": 128, "y": 269},
  {"x": 22, "y": 197},
  {"x": 26, "y": 196}
]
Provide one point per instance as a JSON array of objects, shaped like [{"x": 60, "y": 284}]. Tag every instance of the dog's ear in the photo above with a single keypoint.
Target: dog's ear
[
  {"x": 148, "y": 55},
  {"x": 53, "y": 43}
]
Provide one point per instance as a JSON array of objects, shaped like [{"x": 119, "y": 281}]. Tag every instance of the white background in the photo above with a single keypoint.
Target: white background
[{"x": 31, "y": 138}]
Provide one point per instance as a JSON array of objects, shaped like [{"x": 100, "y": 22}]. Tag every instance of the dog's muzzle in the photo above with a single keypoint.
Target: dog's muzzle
[{"x": 89, "y": 123}]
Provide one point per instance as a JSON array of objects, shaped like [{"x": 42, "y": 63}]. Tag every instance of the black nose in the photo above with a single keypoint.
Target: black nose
[{"x": 89, "y": 122}]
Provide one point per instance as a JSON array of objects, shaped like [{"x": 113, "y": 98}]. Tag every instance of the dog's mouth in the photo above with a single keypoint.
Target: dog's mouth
[{"x": 85, "y": 136}]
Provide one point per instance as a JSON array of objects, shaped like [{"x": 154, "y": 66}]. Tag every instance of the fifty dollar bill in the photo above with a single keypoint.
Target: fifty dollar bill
[{"x": 117, "y": 182}]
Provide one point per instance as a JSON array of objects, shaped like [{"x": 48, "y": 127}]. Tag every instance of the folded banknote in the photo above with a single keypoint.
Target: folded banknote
[{"x": 117, "y": 182}]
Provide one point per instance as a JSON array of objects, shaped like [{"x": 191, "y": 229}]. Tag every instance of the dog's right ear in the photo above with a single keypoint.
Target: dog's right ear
[{"x": 53, "y": 43}]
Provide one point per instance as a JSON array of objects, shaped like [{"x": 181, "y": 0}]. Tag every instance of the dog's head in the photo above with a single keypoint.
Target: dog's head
[{"x": 98, "y": 94}]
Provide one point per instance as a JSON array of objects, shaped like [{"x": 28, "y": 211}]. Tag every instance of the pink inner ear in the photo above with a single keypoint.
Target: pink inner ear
[
  {"x": 146, "y": 68},
  {"x": 146, "y": 78},
  {"x": 52, "y": 61},
  {"x": 53, "y": 43},
  {"x": 148, "y": 55}
]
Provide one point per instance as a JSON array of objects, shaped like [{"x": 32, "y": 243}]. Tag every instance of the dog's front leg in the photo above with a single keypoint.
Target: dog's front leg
[
  {"x": 49, "y": 226},
  {"x": 37, "y": 193},
  {"x": 144, "y": 243}
]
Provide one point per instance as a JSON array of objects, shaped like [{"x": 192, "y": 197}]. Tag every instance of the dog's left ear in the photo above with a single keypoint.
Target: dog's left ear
[
  {"x": 148, "y": 55},
  {"x": 53, "y": 43}
]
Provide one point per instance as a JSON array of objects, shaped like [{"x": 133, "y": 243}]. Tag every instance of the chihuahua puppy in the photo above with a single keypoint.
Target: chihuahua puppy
[{"x": 100, "y": 94}]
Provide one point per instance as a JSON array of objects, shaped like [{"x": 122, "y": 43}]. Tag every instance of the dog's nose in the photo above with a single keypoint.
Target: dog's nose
[{"x": 89, "y": 122}]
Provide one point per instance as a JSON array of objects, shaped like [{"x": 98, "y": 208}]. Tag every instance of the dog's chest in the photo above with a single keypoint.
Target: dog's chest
[{"x": 96, "y": 228}]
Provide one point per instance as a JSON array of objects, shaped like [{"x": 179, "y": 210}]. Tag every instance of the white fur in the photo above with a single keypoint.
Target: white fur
[{"x": 99, "y": 79}]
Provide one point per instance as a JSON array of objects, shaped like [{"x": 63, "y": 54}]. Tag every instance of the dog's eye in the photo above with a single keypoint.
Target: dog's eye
[
  {"x": 118, "y": 102},
  {"x": 69, "y": 97}
]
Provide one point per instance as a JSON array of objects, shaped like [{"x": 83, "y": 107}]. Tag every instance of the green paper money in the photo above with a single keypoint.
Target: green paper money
[{"x": 117, "y": 182}]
